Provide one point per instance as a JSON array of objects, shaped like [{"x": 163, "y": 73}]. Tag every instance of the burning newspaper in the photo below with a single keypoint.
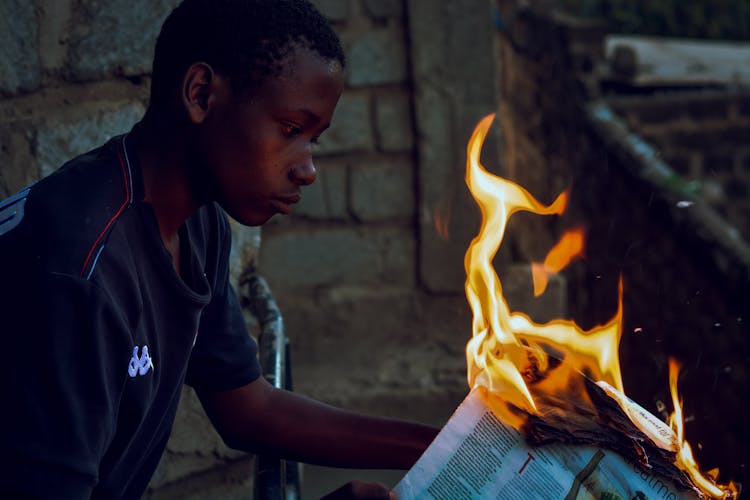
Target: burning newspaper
[{"x": 477, "y": 455}]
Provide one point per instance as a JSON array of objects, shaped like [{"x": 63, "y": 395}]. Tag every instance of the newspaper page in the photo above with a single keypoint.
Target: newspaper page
[{"x": 477, "y": 456}]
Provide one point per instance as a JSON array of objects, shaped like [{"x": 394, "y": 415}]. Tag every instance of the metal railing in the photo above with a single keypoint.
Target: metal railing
[{"x": 275, "y": 478}]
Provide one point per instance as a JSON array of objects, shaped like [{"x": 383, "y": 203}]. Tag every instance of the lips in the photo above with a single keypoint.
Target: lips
[{"x": 283, "y": 204}]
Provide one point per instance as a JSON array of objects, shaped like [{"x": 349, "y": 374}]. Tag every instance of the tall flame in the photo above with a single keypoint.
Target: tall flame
[
  {"x": 502, "y": 341},
  {"x": 508, "y": 352}
]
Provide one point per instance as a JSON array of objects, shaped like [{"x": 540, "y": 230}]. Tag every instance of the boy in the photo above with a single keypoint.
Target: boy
[{"x": 114, "y": 269}]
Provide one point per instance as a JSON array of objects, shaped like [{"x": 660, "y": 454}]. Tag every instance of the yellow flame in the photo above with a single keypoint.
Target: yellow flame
[
  {"x": 501, "y": 340},
  {"x": 508, "y": 346},
  {"x": 685, "y": 460}
]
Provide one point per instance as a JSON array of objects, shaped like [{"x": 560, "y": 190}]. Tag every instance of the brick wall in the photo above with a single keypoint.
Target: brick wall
[{"x": 704, "y": 136}]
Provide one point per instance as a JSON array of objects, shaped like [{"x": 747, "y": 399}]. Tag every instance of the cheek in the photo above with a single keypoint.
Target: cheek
[
  {"x": 232, "y": 140},
  {"x": 256, "y": 175},
  {"x": 240, "y": 159}
]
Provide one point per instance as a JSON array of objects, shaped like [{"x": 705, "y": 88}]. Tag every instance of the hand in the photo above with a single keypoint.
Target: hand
[{"x": 358, "y": 490}]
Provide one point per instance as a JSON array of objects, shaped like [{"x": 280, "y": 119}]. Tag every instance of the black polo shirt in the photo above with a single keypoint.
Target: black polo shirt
[{"x": 99, "y": 332}]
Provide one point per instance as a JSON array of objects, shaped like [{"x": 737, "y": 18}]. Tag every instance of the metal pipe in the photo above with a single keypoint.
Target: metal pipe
[{"x": 275, "y": 479}]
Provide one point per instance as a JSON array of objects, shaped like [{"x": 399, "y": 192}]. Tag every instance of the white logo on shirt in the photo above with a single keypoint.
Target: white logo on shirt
[
  {"x": 140, "y": 365},
  {"x": 11, "y": 211}
]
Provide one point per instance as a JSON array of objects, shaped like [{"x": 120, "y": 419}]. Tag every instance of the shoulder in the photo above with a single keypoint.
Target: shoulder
[{"x": 58, "y": 220}]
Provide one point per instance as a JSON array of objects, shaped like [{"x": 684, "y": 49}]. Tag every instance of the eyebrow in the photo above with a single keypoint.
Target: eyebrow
[
  {"x": 309, "y": 114},
  {"x": 314, "y": 118}
]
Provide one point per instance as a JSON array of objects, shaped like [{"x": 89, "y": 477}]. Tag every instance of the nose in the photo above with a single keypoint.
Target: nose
[{"x": 304, "y": 174}]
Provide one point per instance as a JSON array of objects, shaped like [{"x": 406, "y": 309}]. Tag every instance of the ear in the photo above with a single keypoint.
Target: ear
[{"x": 200, "y": 86}]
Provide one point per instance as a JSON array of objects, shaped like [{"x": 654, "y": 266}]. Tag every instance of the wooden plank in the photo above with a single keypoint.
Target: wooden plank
[{"x": 685, "y": 62}]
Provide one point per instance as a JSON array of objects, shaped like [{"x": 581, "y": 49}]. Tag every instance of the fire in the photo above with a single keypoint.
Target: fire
[
  {"x": 518, "y": 360},
  {"x": 503, "y": 342},
  {"x": 568, "y": 248},
  {"x": 685, "y": 460}
]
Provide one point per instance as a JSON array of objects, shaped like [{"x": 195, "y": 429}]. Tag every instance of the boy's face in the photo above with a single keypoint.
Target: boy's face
[{"x": 258, "y": 150}]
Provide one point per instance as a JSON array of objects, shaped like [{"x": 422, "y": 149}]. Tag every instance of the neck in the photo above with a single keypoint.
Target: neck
[{"x": 161, "y": 147}]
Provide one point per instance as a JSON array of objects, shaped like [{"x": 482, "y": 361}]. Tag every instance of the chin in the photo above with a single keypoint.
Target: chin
[
  {"x": 253, "y": 220},
  {"x": 249, "y": 217}
]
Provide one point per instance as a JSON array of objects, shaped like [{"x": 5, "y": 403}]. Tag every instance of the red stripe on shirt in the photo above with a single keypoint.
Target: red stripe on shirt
[{"x": 114, "y": 217}]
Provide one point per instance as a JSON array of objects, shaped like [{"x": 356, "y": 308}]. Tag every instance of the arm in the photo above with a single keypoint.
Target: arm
[{"x": 259, "y": 418}]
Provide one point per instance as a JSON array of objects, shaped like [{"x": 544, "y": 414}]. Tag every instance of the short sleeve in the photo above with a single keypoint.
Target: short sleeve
[
  {"x": 225, "y": 356},
  {"x": 62, "y": 346}
]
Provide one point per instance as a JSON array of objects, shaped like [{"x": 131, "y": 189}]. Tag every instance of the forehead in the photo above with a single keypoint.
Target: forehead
[
  {"x": 304, "y": 74},
  {"x": 302, "y": 60}
]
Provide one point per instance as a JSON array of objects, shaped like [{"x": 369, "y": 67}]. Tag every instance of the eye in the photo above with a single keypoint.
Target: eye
[{"x": 291, "y": 129}]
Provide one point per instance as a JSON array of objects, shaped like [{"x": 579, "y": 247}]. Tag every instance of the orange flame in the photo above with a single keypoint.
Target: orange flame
[
  {"x": 508, "y": 349},
  {"x": 685, "y": 460},
  {"x": 568, "y": 248}
]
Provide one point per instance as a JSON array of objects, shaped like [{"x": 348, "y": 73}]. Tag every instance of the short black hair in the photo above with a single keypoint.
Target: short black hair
[{"x": 244, "y": 40}]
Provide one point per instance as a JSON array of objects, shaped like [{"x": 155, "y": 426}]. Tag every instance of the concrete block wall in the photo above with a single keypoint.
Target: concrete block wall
[
  {"x": 348, "y": 267},
  {"x": 348, "y": 252}
]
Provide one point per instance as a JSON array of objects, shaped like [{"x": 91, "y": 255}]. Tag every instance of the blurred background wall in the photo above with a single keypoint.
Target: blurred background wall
[{"x": 368, "y": 271}]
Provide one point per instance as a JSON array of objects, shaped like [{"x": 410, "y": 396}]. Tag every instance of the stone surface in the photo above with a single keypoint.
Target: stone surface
[
  {"x": 115, "y": 37},
  {"x": 377, "y": 57},
  {"x": 193, "y": 433},
  {"x": 383, "y": 189},
  {"x": 233, "y": 481},
  {"x": 335, "y": 256},
  {"x": 326, "y": 198},
  {"x": 58, "y": 140},
  {"x": 19, "y": 51},
  {"x": 385, "y": 350},
  {"x": 194, "y": 447},
  {"x": 351, "y": 126},
  {"x": 54, "y": 26},
  {"x": 454, "y": 73},
  {"x": 384, "y": 9},
  {"x": 335, "y": 10},
  {"x": 18, "y": 165},
  {"x": 394, "y": 124},
  {"x": 518, "y": 288},
  {"x": 245, "y": 247}
]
